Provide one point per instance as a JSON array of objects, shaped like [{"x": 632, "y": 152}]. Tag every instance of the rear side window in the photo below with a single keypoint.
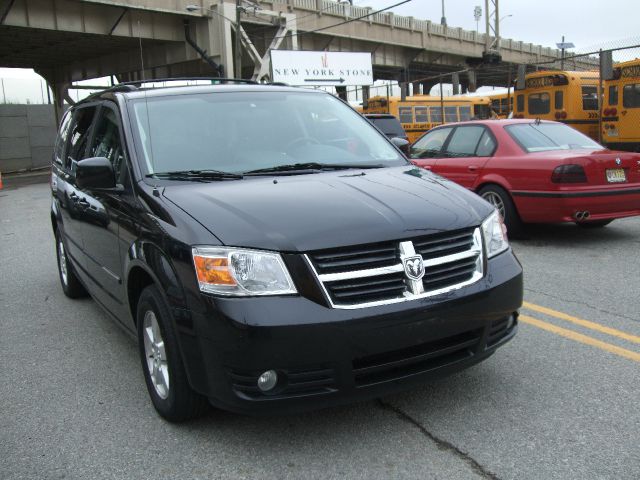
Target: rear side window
[
  {"x": 487, "y": 145},
  {"x": 539, "y": 103},
  {"x": 79, "y": 136},
  {"x": 430, "y": 145},
  {"x": 590, "y": 98},
  {"x": 631, "y": 96},
  {"x": 464, "y": 141},
  {"x": 613, "y": 95},
  {"x": 58, "y": 152},
  {"x": 405, "y": 114},
  {"x": 558, "y": 100},
  {"x": 520, "y": 103}
]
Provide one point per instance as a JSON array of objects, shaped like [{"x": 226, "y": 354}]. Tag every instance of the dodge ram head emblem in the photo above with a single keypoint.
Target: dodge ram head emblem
[{"x": 414, "y": 267}]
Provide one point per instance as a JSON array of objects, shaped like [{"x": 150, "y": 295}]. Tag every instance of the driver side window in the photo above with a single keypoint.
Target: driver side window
[
  {"x": 430, "y": 145},
  {"x": 106, "y": 142}
]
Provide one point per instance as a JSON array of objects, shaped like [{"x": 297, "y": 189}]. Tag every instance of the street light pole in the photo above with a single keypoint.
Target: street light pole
[
  {"x": 443, "y": 20},
  {"x": 237, "y": 59}
]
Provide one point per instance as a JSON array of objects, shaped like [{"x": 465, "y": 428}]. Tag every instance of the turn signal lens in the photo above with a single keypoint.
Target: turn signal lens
[{"x": 213, "y": 270}]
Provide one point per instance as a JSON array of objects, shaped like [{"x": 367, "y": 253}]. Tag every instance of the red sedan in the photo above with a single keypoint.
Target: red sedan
[{"x": 534, "y": 171}]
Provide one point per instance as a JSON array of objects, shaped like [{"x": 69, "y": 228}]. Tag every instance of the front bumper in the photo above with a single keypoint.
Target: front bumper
[{"x": 327, "y": 356}]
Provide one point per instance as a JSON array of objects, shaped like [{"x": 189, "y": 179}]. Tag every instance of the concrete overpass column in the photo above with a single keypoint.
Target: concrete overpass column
[
  {"x": 426, "y": 87},
  {"x": 473, "y": 83},
  {"x": 417, "y": 88},
  {"x": 220, "y": 35},
  {"x": 342, "y": 92},
  {"x": 366, "y": 93}
]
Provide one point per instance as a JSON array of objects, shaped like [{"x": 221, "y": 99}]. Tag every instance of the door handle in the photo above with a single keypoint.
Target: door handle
[{"x": 472, "y": 168}]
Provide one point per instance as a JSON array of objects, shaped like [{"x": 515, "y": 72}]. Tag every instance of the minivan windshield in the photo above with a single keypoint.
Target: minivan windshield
[
  {"x": 239, "y": 132},
  {"x": 539, "y": 137}
]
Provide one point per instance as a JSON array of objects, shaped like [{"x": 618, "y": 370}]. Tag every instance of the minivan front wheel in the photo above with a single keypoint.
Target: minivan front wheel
[
  {"x": 71, "y": 286},
  {"x": 162, "y": 365}
]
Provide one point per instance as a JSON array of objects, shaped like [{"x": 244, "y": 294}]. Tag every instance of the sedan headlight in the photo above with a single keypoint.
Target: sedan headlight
[
  {"x": 241, "y": 272},
  {"x": 494, "y": 232}
]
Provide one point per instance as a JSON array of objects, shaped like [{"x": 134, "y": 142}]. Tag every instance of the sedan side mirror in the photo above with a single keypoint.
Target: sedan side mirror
[
  {"x": 402, "y": 144},
  {"x": 95, "y": 172}
]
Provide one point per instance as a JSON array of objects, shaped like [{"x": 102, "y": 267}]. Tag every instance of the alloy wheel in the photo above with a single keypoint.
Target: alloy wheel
[
  {"x": 156, "y": 356},
  {"x": 494, "y": 199}
]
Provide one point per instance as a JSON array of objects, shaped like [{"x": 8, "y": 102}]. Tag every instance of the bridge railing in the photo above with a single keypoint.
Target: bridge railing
[{"x": 331, "y": 7}]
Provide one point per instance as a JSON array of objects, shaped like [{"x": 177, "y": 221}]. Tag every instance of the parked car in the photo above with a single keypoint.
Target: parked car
[
  {"x": 534, "y": 171},
  {"x": 391, "y": 127},
  {"x": 273, "y": 266}
]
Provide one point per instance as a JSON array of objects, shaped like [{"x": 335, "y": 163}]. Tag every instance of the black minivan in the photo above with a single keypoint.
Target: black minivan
[{"x": 270, "y": 250}]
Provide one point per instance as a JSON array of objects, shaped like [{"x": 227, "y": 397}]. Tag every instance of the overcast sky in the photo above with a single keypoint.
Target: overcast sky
[{"x": 589, "y": 24}]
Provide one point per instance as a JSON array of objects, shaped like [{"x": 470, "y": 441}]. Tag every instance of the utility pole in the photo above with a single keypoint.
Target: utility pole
[
  {"x": 237, "y": 60},
  {"x": 563, "y": 46}
]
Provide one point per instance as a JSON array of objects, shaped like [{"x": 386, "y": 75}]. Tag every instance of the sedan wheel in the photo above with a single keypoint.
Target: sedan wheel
[{"x": 501, "y": 200}]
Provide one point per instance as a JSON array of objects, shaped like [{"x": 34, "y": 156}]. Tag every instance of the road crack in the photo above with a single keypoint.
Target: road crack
[{"x": 440, "y": 443}]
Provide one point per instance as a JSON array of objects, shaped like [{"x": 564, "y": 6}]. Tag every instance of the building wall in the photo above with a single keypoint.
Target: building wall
[{"x": 27, "y": 136}]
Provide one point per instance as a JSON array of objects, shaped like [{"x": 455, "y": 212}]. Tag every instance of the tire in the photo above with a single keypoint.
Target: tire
[
  {"x": 594, "y": 224},
  {"x": 164, "y": 373},
  {"x": 71, "y": 286},
  {"x": 499, "y": 198}
]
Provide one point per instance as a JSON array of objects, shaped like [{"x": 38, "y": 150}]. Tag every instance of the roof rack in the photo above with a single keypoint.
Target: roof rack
[{"x": 185, "y": 79}]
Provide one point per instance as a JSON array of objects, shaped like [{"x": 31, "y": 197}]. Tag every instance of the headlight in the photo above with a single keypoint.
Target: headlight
[
  {"x": 241, "y": 272},
  {"x": 494, "y": 232}
]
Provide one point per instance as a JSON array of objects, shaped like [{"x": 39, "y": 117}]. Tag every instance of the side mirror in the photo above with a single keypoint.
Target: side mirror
[
  {"x": 95, "y": 172},
  {"x": 402, "y": 144}
]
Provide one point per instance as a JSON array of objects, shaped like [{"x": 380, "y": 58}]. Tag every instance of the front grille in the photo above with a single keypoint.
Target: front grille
[
  {"x": 414, "y": 360},
  {"x": 292, "y": 383},
  {"x": 366, "y": 275}
]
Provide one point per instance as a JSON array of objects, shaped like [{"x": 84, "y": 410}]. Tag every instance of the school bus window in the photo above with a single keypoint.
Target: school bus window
[
  {"x": 613, "y": 95},
  {"x": 436, "y": 114},
  {"x": 496, "y": 105},
  {"x": 558, "y": 100},
  {"x": 520, "y": 103},
  {"x": 450, "y": 114},
  {"x": 539, "y": 103},
  {"x": 405, "y": 114},
  {"x": 631, "y": 96},
  {"x": 590, "y": 98},
  {"x": 481, "y": 111},
  {"x": 422, "y": 115},
  {"x": 465, "y": 113}
]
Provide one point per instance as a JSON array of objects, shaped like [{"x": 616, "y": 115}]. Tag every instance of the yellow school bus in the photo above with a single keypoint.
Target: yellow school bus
[
  {"x": 563, "y": 96},
  {"x": 420, "y": 113},
  {"x": 621, "y": 108},
  {"x": 501, "y": 104}
]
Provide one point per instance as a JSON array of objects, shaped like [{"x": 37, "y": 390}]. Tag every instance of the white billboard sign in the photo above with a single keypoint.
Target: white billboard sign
[{"x": 295, "y": 67}]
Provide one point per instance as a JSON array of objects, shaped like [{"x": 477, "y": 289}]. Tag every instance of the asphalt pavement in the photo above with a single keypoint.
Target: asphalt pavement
[{"x": 558, "y": 402}]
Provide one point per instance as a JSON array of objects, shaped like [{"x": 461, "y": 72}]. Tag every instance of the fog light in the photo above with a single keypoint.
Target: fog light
[{"x": 268, "y": 380}]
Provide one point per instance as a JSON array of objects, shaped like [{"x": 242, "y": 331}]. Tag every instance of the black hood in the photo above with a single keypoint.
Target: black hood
[{"x": 300, "y": 213}]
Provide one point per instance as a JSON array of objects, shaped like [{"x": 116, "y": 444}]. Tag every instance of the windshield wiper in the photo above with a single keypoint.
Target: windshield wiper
[
  {"x": 202, "y": 175},
  {"x": 310, "y": 166}
]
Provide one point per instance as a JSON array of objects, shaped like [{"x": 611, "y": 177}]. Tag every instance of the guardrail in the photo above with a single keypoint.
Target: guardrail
[{"x": 329, "y": 7}]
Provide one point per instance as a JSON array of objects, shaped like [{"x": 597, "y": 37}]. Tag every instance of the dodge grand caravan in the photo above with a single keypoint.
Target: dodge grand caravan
[{"x": 270, "y": 250}]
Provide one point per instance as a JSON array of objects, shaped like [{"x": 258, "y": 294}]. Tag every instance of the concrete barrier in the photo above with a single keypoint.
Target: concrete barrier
[{"x": 27, "y": 136}]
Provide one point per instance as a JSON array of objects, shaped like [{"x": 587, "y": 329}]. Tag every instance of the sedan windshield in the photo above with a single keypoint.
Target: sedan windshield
[
  {"x": 539, "y": 137},
  {"x": 239, "y": 132}
]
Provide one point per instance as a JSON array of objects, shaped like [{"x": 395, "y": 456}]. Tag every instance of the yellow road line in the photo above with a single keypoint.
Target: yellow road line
[
  {"x": 578, "y": 337},
  {"x": 581, "y": 322}
]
